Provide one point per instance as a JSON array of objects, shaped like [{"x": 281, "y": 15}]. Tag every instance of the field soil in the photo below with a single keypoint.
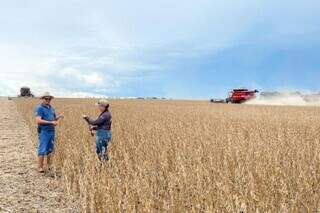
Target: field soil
[{"x": 22, "y": 188}]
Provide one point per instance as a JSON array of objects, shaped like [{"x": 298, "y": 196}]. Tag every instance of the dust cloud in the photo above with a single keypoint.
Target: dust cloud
[{"x": 285, "y": 99}]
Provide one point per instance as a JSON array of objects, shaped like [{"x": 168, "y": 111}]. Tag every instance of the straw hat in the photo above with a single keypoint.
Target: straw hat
[
  {"x": 45, "y": 95},
  {"x": 103, "y": 102}
]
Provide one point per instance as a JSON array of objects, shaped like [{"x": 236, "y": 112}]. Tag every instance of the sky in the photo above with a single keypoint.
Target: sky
[{"x": 174, "y": 49}]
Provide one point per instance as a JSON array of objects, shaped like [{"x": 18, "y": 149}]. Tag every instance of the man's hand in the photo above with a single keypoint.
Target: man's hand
[
  {"x": 55, "y": 123},
  {"x": 60, "y": 116},
  {"x": 85, "y": 116},
  {"x": 92, "y": 128}
]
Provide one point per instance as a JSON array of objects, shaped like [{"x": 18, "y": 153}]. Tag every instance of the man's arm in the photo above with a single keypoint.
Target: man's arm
[
  {"x": 96, "y": 122},
  {"x": 39, "y": 120}
]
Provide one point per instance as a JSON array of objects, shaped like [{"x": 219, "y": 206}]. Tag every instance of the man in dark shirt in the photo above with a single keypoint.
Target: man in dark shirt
[
  {"x": 103, "y": 122},
  {"x": 102, "y": 125},
  {"x": 47, "y": 120}
]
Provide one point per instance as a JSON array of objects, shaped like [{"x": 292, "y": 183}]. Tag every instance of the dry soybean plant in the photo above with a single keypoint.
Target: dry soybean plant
[{"x": 190, "y": 156}]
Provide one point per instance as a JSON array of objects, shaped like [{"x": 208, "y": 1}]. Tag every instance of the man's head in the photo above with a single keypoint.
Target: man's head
[
  {"x": 103, "y": 105},
  {"x": 46, "y": 98}
]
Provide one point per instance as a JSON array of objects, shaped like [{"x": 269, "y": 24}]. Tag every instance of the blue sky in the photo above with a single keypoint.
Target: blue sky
[{"x": 174, "y": 49}]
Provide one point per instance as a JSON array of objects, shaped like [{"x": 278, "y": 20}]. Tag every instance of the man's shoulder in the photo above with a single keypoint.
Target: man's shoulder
[
  {"x": 38, "y": 107},
  {"x": 106, "y": 114},
  {"x": 41, "y": 106},
  {"x": 38, "y": 110}
]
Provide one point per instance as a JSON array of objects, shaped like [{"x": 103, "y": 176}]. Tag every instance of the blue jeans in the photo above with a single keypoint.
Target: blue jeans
[
  {"x": 102, "y": 139},
  {"x": 46, "y": 142}
]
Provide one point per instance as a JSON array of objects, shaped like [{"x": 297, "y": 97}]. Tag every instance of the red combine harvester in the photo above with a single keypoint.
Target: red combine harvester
[{"x": 238, "y": 96}]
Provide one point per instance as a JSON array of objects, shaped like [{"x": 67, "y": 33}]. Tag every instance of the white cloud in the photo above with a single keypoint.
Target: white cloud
[
  {"x": 73, "y": 74},
  {"x": 93, "y": 78},
  {"x": 22, "y": 66}
]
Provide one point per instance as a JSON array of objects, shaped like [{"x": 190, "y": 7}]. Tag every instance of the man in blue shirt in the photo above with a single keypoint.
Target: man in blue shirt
[{"x": 47, "y": 120}]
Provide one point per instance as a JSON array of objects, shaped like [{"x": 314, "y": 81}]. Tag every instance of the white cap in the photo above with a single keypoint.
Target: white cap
[{"x": 103, "y": 102}]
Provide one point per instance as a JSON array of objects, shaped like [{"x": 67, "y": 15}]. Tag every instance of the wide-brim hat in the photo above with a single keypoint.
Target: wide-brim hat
[
  {"x": 46, "y": 95},
  {"x": 103, "y": 102}
]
